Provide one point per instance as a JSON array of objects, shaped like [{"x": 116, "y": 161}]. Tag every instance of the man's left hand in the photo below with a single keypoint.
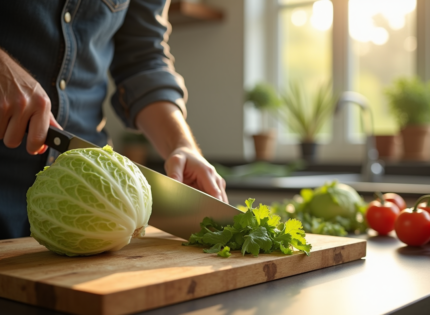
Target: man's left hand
[{"x": 191, "y": 168}]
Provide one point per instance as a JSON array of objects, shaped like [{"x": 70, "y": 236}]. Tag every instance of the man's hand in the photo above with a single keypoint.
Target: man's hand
[
  {"x": 23, "y": 102},
  {"x": 165, "y": 126},
  {"x": 189, "y": 167}
]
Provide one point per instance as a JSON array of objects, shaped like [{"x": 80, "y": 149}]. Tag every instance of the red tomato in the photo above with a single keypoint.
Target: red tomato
[
  {"x": 413, "y": 226},
  {"x": 380, "y": 217},
  {"x": 424, "y": 206},
  {"x": 396, "y": 199}
]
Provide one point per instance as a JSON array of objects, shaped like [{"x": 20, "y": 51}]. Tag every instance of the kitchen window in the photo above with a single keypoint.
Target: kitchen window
[
  {"x": 361, "y": 45},
  {"x": 304, "y": 50},
  {"x": 384, "y": 45}
]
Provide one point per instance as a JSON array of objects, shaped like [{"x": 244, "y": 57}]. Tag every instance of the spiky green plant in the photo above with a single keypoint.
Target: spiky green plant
[{"x": 306, "y": 117}]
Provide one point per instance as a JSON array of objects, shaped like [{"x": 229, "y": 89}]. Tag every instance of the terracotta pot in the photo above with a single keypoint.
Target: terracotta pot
[
  {"x": 416, "y": 146},
  {"x": 309, "y": 151},
  {"x": 264, "y": 144},
  {"x": 388, "y": 146},
  {"x": 136, "y": 152}
]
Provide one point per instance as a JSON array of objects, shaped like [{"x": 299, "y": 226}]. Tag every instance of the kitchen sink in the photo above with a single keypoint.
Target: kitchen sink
[{"x": 388, "y": 183}]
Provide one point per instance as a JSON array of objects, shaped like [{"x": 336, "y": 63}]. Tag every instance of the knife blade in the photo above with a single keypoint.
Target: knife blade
[{"x": 177, "y": 208}]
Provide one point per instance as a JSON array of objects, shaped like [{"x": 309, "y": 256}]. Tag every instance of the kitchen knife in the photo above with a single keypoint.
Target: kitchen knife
[{"x": 177, "y": 208}]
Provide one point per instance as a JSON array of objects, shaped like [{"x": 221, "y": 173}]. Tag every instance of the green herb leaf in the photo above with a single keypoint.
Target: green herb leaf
[
  {"x": 225, "y": 252},
  {"x": 209, "y": 222},
  {"x": 261, "y": 212},
  {"x": 306, "y": 248},
  {"x": 221, "y": 237},
  {"x": 214, "y": 249},
  {"x": 255, "y": 231},
  {"x": 274, "y": 220},
  {"x": 249, "y": 203},
  {"x": 286, "y": 250},
  {"x": 283, "y": 239},
  {"x": 246, "y": 220},
  {"x": 257, "y": 239},
  {"x": 295, "y": 228}
]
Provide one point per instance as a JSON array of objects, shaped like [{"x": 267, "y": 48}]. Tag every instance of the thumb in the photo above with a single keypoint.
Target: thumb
[
  {"x": 52, "y": 122},
  {"x": 174, "y": 166}
]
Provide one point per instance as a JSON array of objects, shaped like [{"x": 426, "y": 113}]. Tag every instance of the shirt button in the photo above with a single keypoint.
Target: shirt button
[
  {"x": 62, "y": 84},
  {"x": 67, "y": 17}
]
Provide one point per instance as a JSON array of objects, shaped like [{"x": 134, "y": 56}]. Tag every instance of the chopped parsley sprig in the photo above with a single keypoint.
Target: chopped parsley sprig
[{"x": 254, "y": 231}]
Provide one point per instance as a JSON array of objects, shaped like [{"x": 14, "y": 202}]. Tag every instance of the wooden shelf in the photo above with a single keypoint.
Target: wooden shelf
[{"x": 186, "y": 12}]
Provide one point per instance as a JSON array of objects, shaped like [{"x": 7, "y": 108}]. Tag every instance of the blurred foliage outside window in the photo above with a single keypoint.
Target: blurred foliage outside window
[
  {"x": 383, "y": 47},
  {"x": 305, "y": 51}
]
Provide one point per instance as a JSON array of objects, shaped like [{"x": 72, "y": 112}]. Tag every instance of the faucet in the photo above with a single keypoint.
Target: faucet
[{"x": 372, "y": 168}]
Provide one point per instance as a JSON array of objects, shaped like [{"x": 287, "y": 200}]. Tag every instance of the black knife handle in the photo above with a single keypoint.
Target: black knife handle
[{"x": 58, "y": 139}]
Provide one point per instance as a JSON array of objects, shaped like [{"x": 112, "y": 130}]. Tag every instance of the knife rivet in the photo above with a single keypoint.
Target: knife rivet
[{"x": 57, "y": 141}]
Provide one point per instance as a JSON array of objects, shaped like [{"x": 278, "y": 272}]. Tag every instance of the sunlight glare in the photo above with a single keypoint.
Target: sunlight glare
[
  {"x": 362, "y": 27},
  {"x": 322, "y": 15},
  {"x": 408, "y": 5},
  {"x": 299, "y": 17},
  {"x": 380, "y": 36},
  {"x": 397, "y": 22}
]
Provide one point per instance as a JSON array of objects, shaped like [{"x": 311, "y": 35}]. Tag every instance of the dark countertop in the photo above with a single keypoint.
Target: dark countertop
[
  {"x": 392, "y": 279},
  {"x": 412, "y": 186},
  {"x": 415, "y": 168},
  {"x": 410, "y": 179}
]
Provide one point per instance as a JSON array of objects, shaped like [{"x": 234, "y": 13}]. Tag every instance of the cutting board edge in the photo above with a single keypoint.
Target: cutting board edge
[
  {"x": 268, "y": 272},
  {"x": 46, "y": 295}
]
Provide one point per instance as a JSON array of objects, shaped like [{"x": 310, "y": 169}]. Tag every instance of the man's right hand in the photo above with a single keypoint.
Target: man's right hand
[{"x": 23, "y": 102}]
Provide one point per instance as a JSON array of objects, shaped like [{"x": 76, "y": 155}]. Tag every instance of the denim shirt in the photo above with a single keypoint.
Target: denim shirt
[{"x": 69, "y": 47}]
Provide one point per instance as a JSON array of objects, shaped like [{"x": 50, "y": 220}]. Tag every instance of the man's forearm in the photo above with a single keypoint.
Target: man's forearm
[{"x": 166, "y": 128}]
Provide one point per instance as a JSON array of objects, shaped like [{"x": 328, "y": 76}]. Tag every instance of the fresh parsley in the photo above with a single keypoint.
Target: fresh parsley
[{"x": 255, "y": 231}]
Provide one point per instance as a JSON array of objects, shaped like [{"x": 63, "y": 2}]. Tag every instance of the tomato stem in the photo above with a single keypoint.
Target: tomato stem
[
  {"x": 380, "y": 196},
  {"x": 420, "y": 199}
]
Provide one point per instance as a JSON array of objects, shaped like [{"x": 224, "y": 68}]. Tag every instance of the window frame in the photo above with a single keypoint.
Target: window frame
[{"x": 341, "y": 148}]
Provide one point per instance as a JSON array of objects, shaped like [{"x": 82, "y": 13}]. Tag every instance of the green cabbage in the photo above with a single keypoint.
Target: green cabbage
[
  {"x": 332, "y": 209},
  {"x": 333, "y": 199},
  {"x": 336, "y": 203},
  {"x": 89, "y": 201}
]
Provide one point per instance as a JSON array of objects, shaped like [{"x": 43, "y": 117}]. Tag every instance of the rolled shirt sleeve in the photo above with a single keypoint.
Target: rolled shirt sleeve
[{"x": 142, "y": 67}]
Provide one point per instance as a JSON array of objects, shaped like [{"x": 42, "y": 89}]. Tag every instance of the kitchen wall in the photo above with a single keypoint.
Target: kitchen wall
[{"x": 210, "y": 56}]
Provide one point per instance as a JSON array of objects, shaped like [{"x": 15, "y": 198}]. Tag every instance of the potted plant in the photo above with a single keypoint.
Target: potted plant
[
  {"x": 305, "y": 116},
  {"x": 409, "y": 99},
  {"x": 388, "y": 146},
  {"x": 264, "y": 98},
  {"x": 135, "y": 146}
]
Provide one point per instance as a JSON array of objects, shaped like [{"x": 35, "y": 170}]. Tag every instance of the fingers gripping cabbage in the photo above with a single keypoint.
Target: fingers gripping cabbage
[{"x": 89, "y": 201}]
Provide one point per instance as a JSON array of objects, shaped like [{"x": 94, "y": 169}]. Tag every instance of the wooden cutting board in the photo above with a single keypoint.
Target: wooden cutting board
[{"x": 148, "y": 273}]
